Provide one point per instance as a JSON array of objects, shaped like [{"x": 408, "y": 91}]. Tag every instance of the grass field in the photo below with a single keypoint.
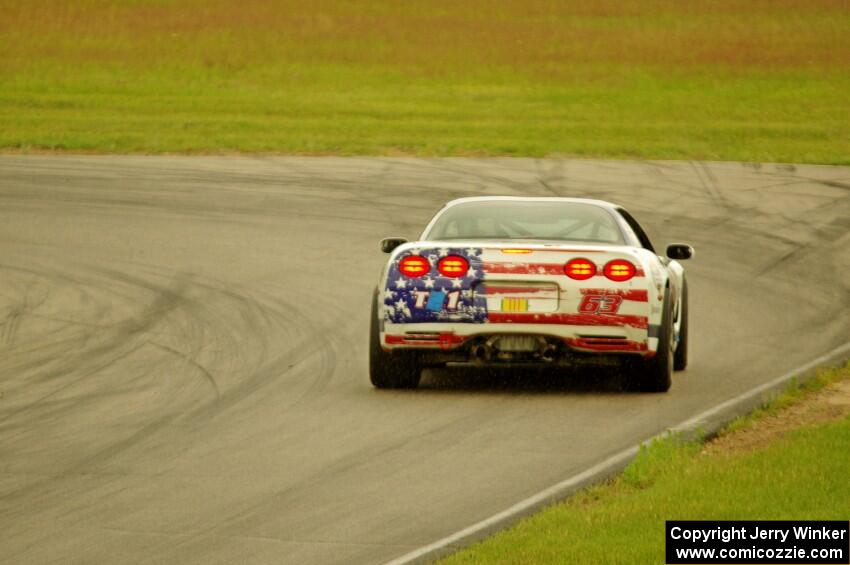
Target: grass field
[
  {"x": 785, "y": 462},
  {"x": 758, "y": 80}
]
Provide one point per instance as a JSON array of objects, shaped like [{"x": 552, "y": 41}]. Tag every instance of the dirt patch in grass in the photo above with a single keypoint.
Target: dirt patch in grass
[{"x": 826, "y": 405}]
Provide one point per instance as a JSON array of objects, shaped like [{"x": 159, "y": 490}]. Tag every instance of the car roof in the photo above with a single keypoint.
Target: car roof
[{"x": 600, "y": 203}]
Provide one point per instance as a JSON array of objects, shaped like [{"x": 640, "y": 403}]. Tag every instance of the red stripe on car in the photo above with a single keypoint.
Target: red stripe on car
[
  {"x": 605, "y": 344},
  {"x": 614, "y": 320},
  {"x": 443, "y": 340},
  {"x": 633, "y": 295}
]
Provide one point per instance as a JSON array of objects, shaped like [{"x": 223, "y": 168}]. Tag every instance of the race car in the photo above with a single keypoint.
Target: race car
[{"x": 515, "y": 281}]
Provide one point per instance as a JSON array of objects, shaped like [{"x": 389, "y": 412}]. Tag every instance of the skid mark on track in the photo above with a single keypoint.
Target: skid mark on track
[
  {"x": 199, "y": 300},
  {"x": 821, "y": 230},
  {"x": 207, "y": 375},
  {"x": 201, "y": 314},
  {"x": 709, "y": 183},
  {"x": 11, "y": 322}
]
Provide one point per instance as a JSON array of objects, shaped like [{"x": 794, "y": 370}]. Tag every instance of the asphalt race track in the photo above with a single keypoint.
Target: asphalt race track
[{"x": 183, "y": 348}]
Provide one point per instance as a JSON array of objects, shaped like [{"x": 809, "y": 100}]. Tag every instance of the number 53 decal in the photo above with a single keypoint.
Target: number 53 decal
[{"x": 600, "y": 304}]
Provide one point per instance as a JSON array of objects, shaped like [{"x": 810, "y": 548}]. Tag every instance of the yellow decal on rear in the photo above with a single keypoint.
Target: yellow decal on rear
[{"x": 515, "y": 305}]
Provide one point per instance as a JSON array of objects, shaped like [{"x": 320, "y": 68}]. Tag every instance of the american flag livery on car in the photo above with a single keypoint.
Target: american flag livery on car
[{"x": 512, "y": 281}]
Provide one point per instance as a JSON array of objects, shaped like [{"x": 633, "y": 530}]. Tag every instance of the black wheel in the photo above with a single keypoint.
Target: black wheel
[
  {"x": 656, "y": 374},
  {"x": 395, "y": 369},
  {"x": 680, "y": 358}
]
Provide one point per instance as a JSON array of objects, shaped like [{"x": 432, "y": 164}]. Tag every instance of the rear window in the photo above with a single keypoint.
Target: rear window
[{"x": 511, "y": 219}]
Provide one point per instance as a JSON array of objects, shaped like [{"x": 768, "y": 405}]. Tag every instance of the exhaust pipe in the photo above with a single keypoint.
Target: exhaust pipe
[
  {"x": 481, "y": 352},
  {"x": 550, "y": 352}
]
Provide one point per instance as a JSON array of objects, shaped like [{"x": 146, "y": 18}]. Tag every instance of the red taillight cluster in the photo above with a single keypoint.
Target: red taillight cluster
[
  {"x": 618, "y": 270},
  {"x": 414, "y": 266},
  {"x": 580, "y": 269},
  {"x": 453, "y": 266}
]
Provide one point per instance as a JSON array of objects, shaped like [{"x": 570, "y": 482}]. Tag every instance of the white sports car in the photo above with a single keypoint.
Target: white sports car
[{"x": 547, "y": 281}]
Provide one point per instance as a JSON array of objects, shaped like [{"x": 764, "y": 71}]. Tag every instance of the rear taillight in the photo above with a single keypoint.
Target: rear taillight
[
  {"x": 580, "y": 269},
  {"x": 619, "y": 270},
  {"x": 414, "y": 266},
  {"x": 453, "y": 266}
]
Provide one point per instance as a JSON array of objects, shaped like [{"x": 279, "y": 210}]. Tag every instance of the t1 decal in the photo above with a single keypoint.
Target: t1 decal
[{"x": 435, "y": 300}]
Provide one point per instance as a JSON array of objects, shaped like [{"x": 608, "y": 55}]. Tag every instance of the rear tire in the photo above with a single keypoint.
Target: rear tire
[
  {"x": 680, "y": 359},
  {"x": 390, "y": 369},
  {"x": 656, "y": 374}
]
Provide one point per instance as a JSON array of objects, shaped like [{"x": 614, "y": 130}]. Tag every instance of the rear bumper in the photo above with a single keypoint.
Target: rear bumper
[{"x": 455, "y": 337}]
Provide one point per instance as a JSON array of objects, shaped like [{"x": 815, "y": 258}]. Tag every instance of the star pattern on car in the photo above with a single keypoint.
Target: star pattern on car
[{"x": 453, "y": 299}]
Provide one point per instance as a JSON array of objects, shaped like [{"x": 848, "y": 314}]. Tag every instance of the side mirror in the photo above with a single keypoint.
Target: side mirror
[
  {"x": 390, "y": 243},
  {"x": 680, "y": 251}
]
